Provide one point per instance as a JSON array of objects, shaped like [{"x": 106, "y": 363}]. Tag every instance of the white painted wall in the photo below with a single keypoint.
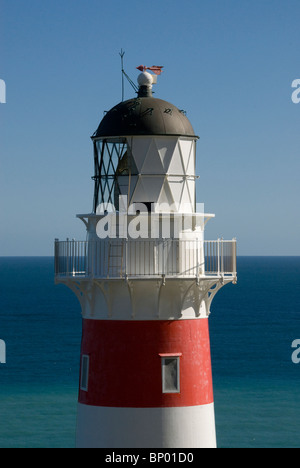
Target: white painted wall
[{"x": 188, "y": 427}]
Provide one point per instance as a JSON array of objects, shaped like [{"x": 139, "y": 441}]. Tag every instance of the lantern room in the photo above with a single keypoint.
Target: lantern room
[{"x": 144, "y": 153}]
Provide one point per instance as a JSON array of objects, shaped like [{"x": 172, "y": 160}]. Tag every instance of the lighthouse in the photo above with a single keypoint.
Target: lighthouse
[{"x": 145, "y": 278}]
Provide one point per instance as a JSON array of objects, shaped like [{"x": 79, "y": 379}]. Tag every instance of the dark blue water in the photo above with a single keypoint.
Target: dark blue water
[
  {"x": 41, "y": 325},
  {"x": 253, "y": 325}
]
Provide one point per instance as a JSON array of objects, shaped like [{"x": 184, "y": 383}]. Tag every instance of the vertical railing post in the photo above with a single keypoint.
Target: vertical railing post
[
  {"x": 126, "y": 256},
  {"x": 84, "y": 259},
  {"x": 68, "y": 257},
  {"x": 234, "y": 253},
  {"x": 218, "y": 255},
  {"x": 164, "y": 258},
  {"x": 197, "y": 258},
  {"x": 95, "y": 259},
  {"x": 65, "y": 258},
  {"x": 222, "y": 256},
  {"x": 56, "y": 256},
  {"x": 92, "y": 259},
  {"x": 156, "y": 258},
  {"x": 73, "y": 257}
]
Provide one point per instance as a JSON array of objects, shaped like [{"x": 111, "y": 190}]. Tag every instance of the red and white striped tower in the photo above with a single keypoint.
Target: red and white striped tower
[{"x": 145, "y": 279}]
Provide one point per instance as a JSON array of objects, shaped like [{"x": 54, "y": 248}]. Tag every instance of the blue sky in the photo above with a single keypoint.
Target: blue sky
[{"x": 229, "y": 63}]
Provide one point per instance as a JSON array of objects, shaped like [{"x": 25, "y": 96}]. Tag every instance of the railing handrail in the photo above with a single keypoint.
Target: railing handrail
[{"x": 121, "y": 258}]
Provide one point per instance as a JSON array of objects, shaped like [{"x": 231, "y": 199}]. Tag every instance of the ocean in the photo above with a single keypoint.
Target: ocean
[{"x": 252, "y": 326}]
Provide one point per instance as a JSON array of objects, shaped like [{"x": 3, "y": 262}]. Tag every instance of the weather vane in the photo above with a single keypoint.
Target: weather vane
[{"x": 155, "y": 68}]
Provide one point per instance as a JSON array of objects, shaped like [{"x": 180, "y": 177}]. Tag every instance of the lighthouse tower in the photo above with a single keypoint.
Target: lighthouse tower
[{"x": 145, "y": 278}]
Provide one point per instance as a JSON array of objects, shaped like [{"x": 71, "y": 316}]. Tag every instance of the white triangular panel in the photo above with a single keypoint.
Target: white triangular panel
[
  {"x": 187, "y": 152},
  {"x": 186, "y": 202},
  {"x": 126, "y": 186},
  {"x": 191, "y": 184},
  {"x": 166, "y": 201},
  {"x": 176, "y": 166},
  {"x": 148, "y": 189},
  {"x": 176, "y": 185},
  {"x": 139, "y": 149},
  {"x": 153, "y": 187},
  {"x": 152, "y": 163},
  {"x": 132, "y": 168},
  {"x": 139, "y": 194},
  {"x": 165, "y": 147},
  {"x": 191, "y": 169}
]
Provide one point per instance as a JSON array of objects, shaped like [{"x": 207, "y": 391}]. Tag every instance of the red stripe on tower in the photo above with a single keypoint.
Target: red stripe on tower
[{"x": 126, "y": 363}]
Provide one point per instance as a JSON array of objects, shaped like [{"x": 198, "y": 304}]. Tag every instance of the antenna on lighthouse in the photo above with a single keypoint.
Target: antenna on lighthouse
[{"x": 122, "y": 53}]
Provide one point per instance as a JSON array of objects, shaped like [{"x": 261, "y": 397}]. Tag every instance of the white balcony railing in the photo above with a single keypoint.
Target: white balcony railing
[{"x": 122, "y": 258}]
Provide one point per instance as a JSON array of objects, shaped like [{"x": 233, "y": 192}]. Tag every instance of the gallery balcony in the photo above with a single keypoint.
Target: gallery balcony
[{"x": 145, "y": 259}]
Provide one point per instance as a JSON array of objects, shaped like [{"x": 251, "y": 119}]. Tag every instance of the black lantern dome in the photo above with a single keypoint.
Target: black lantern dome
[{"x": 144, "y": 116}]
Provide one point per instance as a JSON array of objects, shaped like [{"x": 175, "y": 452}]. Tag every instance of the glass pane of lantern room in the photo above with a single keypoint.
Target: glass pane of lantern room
[{"x": 115, "y": 155}]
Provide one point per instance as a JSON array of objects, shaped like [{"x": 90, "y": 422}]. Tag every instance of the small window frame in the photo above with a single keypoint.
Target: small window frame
[
  {"x": 84, "y": 375},
  {"x": 164, "y": 359}
]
